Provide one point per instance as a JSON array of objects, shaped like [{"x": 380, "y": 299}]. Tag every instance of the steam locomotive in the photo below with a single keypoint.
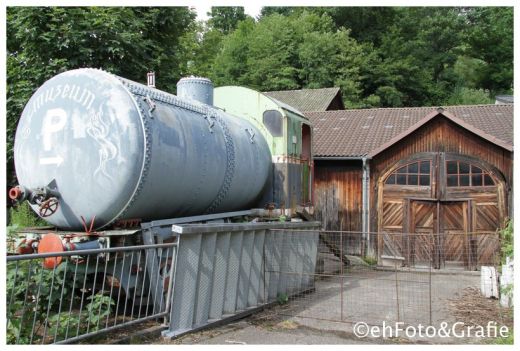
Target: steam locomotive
[{"x": 104, "y": 159}]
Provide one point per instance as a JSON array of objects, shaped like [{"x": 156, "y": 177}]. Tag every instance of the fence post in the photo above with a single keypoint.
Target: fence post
[
  {"x": 342, "y": 263},
  {"x": 430, "y": 278},
  {"x": 153, "y": 270},
  {"x": 396, "y": 290}
]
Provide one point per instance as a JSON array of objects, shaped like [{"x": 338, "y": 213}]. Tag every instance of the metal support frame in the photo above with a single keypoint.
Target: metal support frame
[{"x": 221, "y": 269}]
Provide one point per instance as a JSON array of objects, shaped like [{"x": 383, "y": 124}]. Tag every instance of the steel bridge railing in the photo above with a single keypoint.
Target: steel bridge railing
[{"x": 90, "y": 293}]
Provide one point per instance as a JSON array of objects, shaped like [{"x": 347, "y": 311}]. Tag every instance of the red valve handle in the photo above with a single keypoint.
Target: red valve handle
[{"x": 48, "y": 207}]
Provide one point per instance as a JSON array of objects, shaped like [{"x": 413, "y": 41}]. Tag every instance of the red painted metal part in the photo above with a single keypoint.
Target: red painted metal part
[
  {"x": 88, "y": 230},
  {"x": 15, "y": 193},
  {"x": 49, "y": 207},
  {"x": 51, "y": 243},
  {"x": 25, "y": 247}
]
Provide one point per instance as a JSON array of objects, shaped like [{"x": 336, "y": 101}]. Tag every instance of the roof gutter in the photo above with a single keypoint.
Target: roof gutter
[{"x": 341, "y": 158}]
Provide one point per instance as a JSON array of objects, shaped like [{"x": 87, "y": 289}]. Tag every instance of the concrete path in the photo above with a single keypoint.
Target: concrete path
[{"x": 327, "y": 315}]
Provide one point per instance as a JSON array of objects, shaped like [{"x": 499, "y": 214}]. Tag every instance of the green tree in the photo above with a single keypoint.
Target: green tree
[
  {"x": 302, "y": 50},
  {"x": 418, "y": 54},
  {"x": 489, "y": 37},
  {"x": 231, "y": 62},
  {"x": 469, "y": 96},
  {"x": 198, "y": 48},
  {"x": 281, "y": 10},
  {"x": 226, "y": 18},
  {"x": 43, "y": 41},
  {"x": 366, "y": 24}
]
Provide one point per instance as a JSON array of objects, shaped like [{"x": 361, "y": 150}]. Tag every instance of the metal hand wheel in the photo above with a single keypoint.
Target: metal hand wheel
[{"x": 48, "y": 207}]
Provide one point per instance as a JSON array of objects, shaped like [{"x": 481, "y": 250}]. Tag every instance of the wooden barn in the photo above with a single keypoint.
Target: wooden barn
[{"x": 445, "y": 173}]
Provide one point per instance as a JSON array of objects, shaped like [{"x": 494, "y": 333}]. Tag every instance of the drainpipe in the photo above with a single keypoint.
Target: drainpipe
[{"x": 365, "y": 212}]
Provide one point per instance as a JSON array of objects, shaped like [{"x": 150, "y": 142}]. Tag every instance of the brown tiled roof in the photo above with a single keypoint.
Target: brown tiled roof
[
  {"x": 306, "y": 99},
  {"x": 357, "y": 133}
]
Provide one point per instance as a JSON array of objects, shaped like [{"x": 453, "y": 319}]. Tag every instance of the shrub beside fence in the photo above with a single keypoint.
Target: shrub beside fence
[{"x": 91, "y": 292}]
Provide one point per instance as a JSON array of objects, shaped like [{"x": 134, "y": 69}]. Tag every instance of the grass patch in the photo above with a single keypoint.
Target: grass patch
[
  {"x": 508, "y": 340},
  {"x": 370, "y": 260}
]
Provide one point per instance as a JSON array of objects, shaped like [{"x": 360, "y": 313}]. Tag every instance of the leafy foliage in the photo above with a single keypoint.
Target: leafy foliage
[
  {"x": 469, "y": 96},
  {"x": 378, "y": 56},
  {"x": 304, "y": 50},
  {"x": 370, "y": 260},
  {"x": 507, "y": 237},
  {"x": 489, "y": 37},
  {"x": 38, "y": 310},
  {"x": 22, "y": 216},
  {"x": 282, "y": 298},
  {"x": 226, "y": 18}
]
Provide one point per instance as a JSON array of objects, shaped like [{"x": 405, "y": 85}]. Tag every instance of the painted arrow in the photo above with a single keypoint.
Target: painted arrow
[{"x": 57, "y": 160}]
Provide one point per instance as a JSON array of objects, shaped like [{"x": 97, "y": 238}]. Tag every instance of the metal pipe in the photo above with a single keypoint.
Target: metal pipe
[
  {"x": 87, "y": 252},
  {"x": 365, "y": 212},
  {"x": 191, "y": 229},
  {"x": 82, "y": 246},
  {"x": 369, "y": 246},
  {"x": 339, "y": 158},
  {"x": 106, "y": 330}
]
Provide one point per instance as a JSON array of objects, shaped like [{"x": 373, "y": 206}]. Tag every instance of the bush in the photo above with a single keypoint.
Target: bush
[
  {"x": 370, "y": 260},
  {"x": 36, "y": 299},
  {"x": 469, "y": 96},
  {"x": 22, "y": 216},
  {"x": 506, "y": 236}
]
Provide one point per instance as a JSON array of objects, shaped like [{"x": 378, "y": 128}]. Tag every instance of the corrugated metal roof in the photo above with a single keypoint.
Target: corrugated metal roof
[
  {"x": 505, "y": 99},
  {"x": 357, "y": 133},
  {"x": 306, "y": 99}
]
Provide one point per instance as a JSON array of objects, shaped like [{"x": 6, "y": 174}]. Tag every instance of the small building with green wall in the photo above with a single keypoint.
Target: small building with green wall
[{"x": 289, "y": 136}]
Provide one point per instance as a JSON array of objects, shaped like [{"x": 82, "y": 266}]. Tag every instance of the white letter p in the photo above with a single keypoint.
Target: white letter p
[{"x": 54, "y": 121}]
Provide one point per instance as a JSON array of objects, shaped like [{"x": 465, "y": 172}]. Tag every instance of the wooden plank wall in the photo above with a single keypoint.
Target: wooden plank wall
[
  {"x": 338, "y": 195},
  {"x": 442, "y": 135},
  {"x": 338, "y": 203}
]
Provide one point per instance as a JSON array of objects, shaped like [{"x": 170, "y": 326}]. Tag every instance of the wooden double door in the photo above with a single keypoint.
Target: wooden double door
[
  {"x": 440, "y": 210},
  {"x": 439, "y": 234},
  {"x": 446, "y": 234}
]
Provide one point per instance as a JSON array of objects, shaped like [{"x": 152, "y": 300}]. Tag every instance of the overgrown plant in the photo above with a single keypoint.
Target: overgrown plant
[
  {"x": 506, "y": 236},
  {"x": 39, "y": 311},
  {"x": 22, "y": 216},
  {"x": 370, "y": 260},
  {"x": 507, "y": 251},
  {"x": 282, "y": 298}
]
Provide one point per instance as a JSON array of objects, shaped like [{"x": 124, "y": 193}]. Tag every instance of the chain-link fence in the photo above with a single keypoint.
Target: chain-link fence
[
  {"x": 69, "y": 296},
  {"x": 319, "y": 277},
  {"x": 414, "y": 278}
]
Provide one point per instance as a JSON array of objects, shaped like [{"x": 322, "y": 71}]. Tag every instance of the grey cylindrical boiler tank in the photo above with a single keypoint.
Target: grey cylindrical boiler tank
[{"x": 116, "y": 149}]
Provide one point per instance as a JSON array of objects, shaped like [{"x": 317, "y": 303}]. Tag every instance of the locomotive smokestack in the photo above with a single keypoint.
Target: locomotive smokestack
[{"x": 196, "y": 88}]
